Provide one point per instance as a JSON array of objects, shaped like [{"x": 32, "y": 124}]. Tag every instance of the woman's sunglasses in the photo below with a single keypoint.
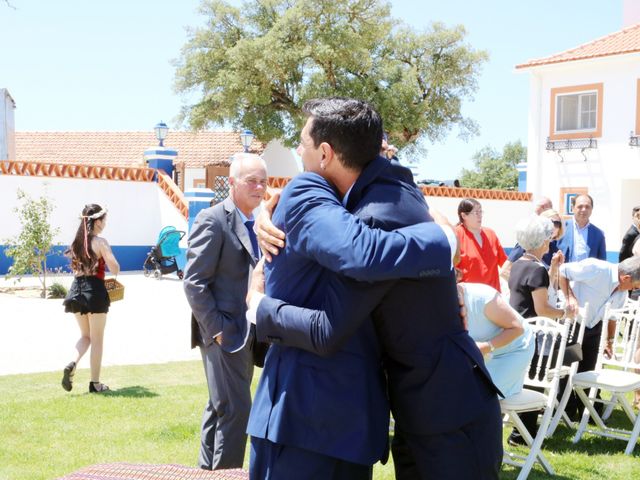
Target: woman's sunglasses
[{"x": 557, "y": 223}]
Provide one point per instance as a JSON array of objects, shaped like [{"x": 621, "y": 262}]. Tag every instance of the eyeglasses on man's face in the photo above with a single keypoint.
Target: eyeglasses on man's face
[{"x": 254, "y": 182}]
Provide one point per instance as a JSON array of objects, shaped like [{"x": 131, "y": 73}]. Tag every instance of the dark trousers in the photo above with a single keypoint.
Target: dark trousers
[
  {"x": 472, "y": 452},
  {"x": 273, "y": 461},
  {"x": 590, "y": 346}
]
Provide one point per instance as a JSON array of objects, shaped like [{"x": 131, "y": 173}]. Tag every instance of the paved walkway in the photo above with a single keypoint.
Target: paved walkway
[{"x": 151, "y": 325}]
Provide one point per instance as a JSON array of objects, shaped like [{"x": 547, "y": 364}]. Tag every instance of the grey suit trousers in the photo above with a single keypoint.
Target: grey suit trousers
[{"x": 224, "y": 421}]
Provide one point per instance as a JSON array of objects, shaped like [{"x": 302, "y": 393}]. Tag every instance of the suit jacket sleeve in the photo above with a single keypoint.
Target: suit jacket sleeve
[
  {"x": 203, "y": 253},
  {"x": 602, "y": 246},
  {"x": 320, "y": 226},
  {"x": 347, "y": 304},
  {"x": 635, "y": 248}
]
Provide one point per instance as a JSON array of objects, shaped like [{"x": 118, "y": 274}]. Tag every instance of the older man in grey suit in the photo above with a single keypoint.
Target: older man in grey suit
[{"x": 222, "y": 253}]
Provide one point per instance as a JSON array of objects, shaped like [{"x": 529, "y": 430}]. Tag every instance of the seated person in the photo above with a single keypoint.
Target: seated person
[
  {"x": 518, "y": 251},
  {"x": 501, "y": 335}
]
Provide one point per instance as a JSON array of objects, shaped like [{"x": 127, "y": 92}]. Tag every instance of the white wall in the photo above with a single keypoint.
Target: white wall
[
  {"x": 191, "y": 174},
  {"x": 607, "y": 166},
  {"x": 498, "y": 215},
  {"x": 7, "y": 126},
  {"x": 137, "y": 210},
  {"x": 280, "y": 161}
]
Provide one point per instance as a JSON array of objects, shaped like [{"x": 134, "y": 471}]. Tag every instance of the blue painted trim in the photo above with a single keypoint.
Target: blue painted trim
[
  {"x": 192, "y": 194},
  {"x": 522, "y": 181},
  {"x": 166, "y": 165},
  {"x": 130, "y": 258},
  {"x": 194, "y": 209},
  {"x": 612, "y": 257},
  {"x": 172, "y": 153}
]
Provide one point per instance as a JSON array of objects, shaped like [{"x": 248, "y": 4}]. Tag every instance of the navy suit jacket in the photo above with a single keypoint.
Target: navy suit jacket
[
  {"x": 337, "y": 405},
  {"x": 628, "y": 241},
  {"x": 437, "y": 378},
  {"x": 595, "y": 242}
]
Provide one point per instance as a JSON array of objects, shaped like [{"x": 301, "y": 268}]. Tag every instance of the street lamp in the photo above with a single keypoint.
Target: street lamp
[
  {"x": 246, "y": 137},
  {"x": 161, "y": 130}
]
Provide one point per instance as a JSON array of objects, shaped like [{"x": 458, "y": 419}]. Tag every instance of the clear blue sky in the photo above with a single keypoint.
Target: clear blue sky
[{"x": 88, "y": 65}]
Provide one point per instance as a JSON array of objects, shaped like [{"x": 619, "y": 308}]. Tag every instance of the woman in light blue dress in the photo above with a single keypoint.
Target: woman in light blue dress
[{"x": 501, "y": 335}]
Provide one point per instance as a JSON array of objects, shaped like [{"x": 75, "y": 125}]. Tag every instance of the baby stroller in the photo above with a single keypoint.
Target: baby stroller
[{"x": 162, "y": 258}]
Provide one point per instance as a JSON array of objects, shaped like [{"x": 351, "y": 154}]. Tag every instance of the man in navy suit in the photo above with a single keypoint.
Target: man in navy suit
[
  {"x": 582, "y": 239},
  {"x": 327, "y": 417}
]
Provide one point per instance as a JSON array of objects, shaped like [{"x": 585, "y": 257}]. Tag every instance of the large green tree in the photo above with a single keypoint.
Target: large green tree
[
  {"x": 495, "y": 170},
  {"x": 254, "y": 66}
]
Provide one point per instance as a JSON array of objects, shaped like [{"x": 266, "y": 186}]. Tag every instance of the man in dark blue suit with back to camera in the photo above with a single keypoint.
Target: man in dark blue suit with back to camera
[{"x": 320, "y": 410}]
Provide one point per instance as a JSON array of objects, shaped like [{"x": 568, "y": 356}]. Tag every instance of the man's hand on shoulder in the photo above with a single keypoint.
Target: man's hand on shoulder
[
  {"x": 256, "y": 291},
  {"x": 257, "y": 280},
  {"x": 463, "y": 308},
  {"x": 443, "y": 221},
  {"x": 270, "y": 239}
]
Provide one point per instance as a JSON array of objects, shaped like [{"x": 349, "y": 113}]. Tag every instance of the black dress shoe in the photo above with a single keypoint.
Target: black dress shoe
[
  {"x": 516, "y": 440},
  {"x": 97, "y": 387},
  {"x": 67, "y": 376}
]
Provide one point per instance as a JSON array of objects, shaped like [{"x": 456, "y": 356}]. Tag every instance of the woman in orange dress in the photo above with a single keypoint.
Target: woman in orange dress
[{"x": 481, "y": 253}]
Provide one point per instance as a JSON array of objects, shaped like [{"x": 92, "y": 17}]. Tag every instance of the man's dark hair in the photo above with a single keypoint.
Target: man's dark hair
[
  {"x": 352, "y": 128},
  {"x": 584, "y": 195}
]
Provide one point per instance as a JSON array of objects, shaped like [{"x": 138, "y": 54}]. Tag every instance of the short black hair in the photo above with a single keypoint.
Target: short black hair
[
  {"x": 352, "y": 128},
  {"x": 584, "y": 195}
]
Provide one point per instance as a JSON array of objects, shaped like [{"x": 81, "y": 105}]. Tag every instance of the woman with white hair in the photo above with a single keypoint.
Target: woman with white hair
[
  {"x": 529, "y": 284},
  {"x": 517, "y": 251},
  {"x": 529, "y": 279}
]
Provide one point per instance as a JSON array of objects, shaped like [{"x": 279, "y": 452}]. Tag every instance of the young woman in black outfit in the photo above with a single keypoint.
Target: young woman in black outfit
[{"x": 87, "y": 298}]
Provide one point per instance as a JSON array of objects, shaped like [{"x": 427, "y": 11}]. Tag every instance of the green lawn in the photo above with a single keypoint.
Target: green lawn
[{"x": 153, "y": 416}]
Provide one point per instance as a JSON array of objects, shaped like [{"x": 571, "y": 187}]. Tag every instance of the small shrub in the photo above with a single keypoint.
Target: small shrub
[{"x": 57, "y": 290}]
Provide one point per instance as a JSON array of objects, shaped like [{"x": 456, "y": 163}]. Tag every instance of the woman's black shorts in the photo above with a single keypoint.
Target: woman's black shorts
[{"x": 87, "y": 295}]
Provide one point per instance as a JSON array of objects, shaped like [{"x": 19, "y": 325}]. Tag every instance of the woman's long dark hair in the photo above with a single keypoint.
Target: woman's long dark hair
[
  {"x": 83, "y": 258},
  {"x": 466, "y": 206}
]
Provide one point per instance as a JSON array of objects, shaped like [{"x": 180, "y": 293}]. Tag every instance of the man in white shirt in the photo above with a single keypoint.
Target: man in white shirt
[{"x": 597, "y": 283}]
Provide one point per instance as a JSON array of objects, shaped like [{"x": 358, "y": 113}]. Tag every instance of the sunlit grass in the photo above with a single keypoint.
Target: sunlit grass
[{"x": 153, "y": 416}]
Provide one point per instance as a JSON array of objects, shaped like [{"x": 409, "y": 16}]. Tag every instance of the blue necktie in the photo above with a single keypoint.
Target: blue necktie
[{"x": 253, "y": 238}]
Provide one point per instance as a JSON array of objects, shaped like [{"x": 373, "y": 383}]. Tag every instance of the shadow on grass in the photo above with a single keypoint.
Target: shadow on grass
[
  {"x": 562, "y": 440},
  {"x": 135, "y": 391}
]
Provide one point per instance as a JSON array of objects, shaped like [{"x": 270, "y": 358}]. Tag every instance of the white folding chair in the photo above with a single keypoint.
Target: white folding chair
[
  {"x": 551, "y": 337},
  {"x": 615, "y": 375},
  {"x": 576, "y": 335}
]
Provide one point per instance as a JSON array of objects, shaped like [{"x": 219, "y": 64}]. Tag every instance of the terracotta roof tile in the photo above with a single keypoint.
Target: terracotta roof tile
[
  {"x": 196, "y": 149},
  {"x": 618, "y": 43}
]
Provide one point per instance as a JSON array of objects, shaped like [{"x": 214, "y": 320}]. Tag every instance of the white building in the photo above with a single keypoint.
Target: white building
[
  {"x": 7, "y": 126},
  {"x": 584, "y": 123}
]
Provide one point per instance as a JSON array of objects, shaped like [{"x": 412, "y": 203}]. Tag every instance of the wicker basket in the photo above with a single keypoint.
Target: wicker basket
[{"x": 115, "y": 289}]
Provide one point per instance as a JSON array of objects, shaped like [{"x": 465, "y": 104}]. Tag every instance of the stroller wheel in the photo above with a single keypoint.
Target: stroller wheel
[
  {"x": 157, "y": 274},
  {"x": 146, "y": 272},
  {"x": 180, "y": 274}
]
